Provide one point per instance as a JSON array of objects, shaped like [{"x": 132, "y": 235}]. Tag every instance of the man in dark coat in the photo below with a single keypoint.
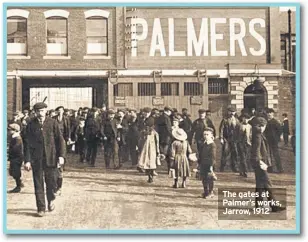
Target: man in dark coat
[
  {"x": 272, "y": 134},
  {"x": 165, "y": 133},
  {"x": 261, "y": 161},
  {"x": 110, "y": 134},
  {"x": 133, "y": 137},
  {"x": 285, "y": 129},
  {"x": 44, "y": 152},
  {"x": 198, "y": 127},
  {"x": 93, "y": 134},
  {"x": 122, "y": 128},
  {"x": 229, "y": 133},
  {"x": 186, "y": 124}
]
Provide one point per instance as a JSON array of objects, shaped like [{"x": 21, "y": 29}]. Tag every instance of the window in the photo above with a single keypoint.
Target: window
[
  {"x": 123, "y": 89},
  {"x": 17, "y": 31},
  {"x": 218, "y": 86},
  {"x": 170, "y": 89},
  {"x": 56, "y": 36},
  {"x": 193, "y": 89},
  {"x": 97, "y": 36},
  {"x": 146, "y": 89}
]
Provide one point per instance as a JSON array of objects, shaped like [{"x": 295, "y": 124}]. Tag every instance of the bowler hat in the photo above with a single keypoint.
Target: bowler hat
[
  {"x": 168, "y": 108},
  {"x": 57, "y": 109},
  {"x": 111, "y": 111},
  {"x": 201, "y": 110},
  {"x": 132, "y": 110},
  {"x": 39, "y": 105}
]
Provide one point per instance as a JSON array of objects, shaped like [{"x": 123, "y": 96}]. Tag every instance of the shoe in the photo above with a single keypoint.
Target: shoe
[
  {"x": 58, "y": 192},
  {"x": 245, "y": 175},
  {"x": 15, "y": 190},
  {"x": 203, "y": 195},
  {"x": 278, "y": 209},
  {"x": 184, "y": 184},
  {"x": 51, "y": 206},
  {"x": 40, "y": 213},
  {"x": 154, "y": 173},
  {"x": 211, "y": 195},
  {"x": 175, "y": 185}
]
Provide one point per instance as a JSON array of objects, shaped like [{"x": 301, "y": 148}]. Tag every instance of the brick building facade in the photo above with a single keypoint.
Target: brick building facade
[{"x": 136, "y": 57}]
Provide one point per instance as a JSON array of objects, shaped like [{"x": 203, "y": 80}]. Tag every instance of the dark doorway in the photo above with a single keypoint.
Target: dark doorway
[{"x": 255, "y": 97}]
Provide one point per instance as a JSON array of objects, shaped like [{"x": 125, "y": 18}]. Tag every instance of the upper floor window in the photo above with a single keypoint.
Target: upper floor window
[
  {"x": 56, "y": 21},
  {"x": 17, "y": 32},
  {"x": 97, "y": 32}
]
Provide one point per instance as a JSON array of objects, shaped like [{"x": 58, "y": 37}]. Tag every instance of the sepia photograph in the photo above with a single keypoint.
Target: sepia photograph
[{"x": 151, "y": 118}]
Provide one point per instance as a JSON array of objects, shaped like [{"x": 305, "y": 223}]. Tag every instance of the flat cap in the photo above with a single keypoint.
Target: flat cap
[
  {"x": 57, "y": 109},
  {"x": 168, "y": 108},
  {"x": 147, "y": 110},
  {"x": 16, "y": 113},
  {"x": 270, "y": 110},
  {"x": 132, "y": 110},
  {"x": 260, "y": 121},
  {"x": 111, "y": 111},
  {"x": 209, "y": 129},
  {"x": 208, "y": 111},
  {"x": 201, "y": 110},
  {"x": 94, "y": 109},
  {"x": 39, "y": 105},
  {"x": 121, "y": 110},
  {"x": 14, "y": 126},
  {"x": 231, "y": 109}
]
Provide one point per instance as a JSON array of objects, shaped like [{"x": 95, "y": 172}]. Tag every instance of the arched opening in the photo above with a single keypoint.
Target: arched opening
[{"x": 255, "y": 97}]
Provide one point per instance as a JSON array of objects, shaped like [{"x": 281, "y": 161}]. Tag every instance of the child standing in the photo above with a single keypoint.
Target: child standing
[
  {"x": 207, "y": 159},
  {"x": 15, "y": 156},
  {"x": 179, "y": 150},
  {"x": 81, "y": 140}
]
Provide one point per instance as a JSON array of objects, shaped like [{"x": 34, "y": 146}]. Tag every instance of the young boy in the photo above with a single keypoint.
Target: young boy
[
  {"x": 81, "y": 140},
  {"x": 207, "y": 159},
  {"x": 15, "y": 156}
]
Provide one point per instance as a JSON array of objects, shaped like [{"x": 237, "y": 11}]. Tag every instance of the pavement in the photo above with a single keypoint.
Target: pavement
[{"x": 100, "y": 199}]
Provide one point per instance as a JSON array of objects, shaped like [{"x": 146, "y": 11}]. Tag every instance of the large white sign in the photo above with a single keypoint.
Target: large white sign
[{"x": 206, "y": 43}]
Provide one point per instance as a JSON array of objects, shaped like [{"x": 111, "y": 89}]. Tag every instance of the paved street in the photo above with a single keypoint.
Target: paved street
[{"x": 93, "y": 198}]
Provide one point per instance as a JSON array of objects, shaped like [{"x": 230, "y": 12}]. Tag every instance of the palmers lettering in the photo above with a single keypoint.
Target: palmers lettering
[{"x": 206, "y": 44}]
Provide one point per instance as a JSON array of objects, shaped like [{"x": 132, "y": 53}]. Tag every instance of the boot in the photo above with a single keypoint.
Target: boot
[
  {"x": 175, "y": 185},
  {"x": 15, "y": 190}
]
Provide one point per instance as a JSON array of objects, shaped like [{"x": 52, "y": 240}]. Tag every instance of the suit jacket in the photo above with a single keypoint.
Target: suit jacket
[
  {"x": 133, "y": 134},
  {"x": 109, "y": 129},
  {"x": 199, "y": 126},
  {"x": 93, "y": 128},
  {"x": 285, "y": 127},
  {"x": 73, "y": 126},
  {"x": 122, "y": 132},
  {"x": 259, "y": 148},
  {"x": 164, "y": 129},
  {"x": 273, "y": 132},
  {"x": 66, "y": 123},
  {"x": 229, "y": 132},
  {"x": 186, "y": 124},
  {"x": 46, "y": 140}
]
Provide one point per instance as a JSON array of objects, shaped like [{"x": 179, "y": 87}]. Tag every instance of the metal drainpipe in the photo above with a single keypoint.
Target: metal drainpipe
[{"x": 290, "y": 39}]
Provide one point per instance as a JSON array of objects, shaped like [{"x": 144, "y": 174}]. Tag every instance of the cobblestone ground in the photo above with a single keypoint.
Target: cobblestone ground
[{"x": 94, "y": 198}]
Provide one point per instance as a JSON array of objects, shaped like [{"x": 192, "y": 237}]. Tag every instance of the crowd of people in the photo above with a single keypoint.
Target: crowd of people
[{"x": 41, "y": 138}]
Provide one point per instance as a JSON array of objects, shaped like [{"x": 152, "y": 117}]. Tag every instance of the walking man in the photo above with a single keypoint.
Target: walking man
[
  {"x": 285, "y": 129},
  {"x": 45, "y": 149}
]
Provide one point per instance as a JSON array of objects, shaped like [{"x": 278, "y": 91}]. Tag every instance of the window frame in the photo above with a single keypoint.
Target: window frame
[
  {"x": 107, "y": 44},
  {"x": 170, "y": 88},
  {"x": 116, "y": 89},
  {"x": 151, "y": 89},
  {"x": 201, "y": 92}
]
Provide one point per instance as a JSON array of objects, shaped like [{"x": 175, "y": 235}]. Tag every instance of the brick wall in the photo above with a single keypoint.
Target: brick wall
[
  {"x": 76, "y": 42},
  {"x": 286, "y": 100}
]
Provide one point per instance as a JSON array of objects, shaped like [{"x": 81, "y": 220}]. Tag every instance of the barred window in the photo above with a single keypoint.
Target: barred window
[
  {"x": 170, "y": 89},
  {"x": 146, "y": 89},
  {"x": 193, "y": 89},
  {"x": 123, "y": 89},
  {"x": 218, "y": 86}
]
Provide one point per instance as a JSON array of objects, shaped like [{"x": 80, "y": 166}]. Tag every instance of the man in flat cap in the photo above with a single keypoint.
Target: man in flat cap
[
  {"x": 229, "y": 133},
  {"x": 133, "y": 137},
  {"x": 165, "y": 133},
  {"x": 93, "y": 134},
  {"x": 110, "y": 135},
  {"x": 122, "y": 128},
  {"x": 272, "y": 133},
  {"x": 261, "y": 162},
  {"x": 186, "y": 124},
  {"x": 45, "y": 150},
  {"x": 198, "y": 127}
]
